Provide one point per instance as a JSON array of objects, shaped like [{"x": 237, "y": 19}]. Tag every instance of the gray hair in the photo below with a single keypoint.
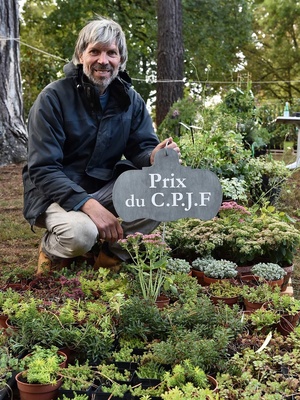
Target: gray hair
[{"x": 101, "y": 30}]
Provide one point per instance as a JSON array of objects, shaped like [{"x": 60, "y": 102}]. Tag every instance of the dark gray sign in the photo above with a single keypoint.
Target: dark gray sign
[{"x": 167, "y": 191}]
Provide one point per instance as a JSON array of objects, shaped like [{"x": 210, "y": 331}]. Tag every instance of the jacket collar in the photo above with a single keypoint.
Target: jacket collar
[{"x": 119, "y": 87}]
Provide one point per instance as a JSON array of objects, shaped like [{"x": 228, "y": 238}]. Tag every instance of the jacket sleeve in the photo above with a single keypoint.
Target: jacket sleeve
[
  {"x": 45, "y": 153},
  {"x": 142, "y": 138}
]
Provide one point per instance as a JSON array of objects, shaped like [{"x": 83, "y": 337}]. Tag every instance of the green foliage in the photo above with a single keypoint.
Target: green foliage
[
  {"x": 76, "y": 397},
  {"x": 8, "y": 364},
  {"x": 262, "y": 319},
  {"x": 111, "y": 372},
  {"x": 186, "y": 372},
  {"x": 149, "y": 368},
  {"x": 181, "y": 287},
  {"x": 261, "y": 293},
  {"x": 149, "y": 254},
  {"x": 206, "y": 352},
  {"x": 272, "y": 53},
  {"x": 142, "y": 319},
  {"x": 268, "y": 271},
  {"x": 224, "y": 139},
  {"x": 221, "y": 269},
  {"x": 178, "y": 265},
  {"x": 243, "y": 235},
  {"x": 42, "y": 365},
  {"x": 78, "y": 376},
  {"x": 224, "y": 288}
]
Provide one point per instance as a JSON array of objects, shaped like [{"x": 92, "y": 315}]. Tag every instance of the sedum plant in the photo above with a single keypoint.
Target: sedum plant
[
  {"x": 261, "y": 293},
  {"x": 221, "y": 269},
  {"x": 201, "y": 263},
  {"x": 42, "y": 366},
  {"x": 78, "y": 376},
  {"x": 175, "y": 265},
  {"x": 149, "y": 254},
  {"x": 268, "y": 271},
  {"x": 225, "y": 289}
]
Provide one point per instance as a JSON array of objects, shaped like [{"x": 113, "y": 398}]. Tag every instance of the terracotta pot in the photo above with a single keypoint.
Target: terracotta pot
[
  {"x": 249, "y": 306},
  {"x": 36, "y": 391},
  {"x": 162, "y": 301},
  {"x": 244, "y": 270},
  {"x": 207, "y": 280},
  {"x": 249, "y": 280},
  {"x": 10, "y": 328},
  {"x": 213, "y": 383},
  {"x": 199, "y": 275},
  {"x": 287, "y": 319},
  {"x": 278, "y": 282},
  {"x": 284, "y": 329},
  {"x": 3, "y": 321},
  {"x": 230, "y": 301}
]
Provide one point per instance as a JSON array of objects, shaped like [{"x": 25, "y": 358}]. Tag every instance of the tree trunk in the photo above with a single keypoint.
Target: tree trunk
[
  {"x": 169, "y": 57},
  {"x": 13, "y": 135}
]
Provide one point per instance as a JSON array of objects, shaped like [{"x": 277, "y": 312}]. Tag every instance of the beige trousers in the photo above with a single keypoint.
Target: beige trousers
[{"x": 72, "y": 233}]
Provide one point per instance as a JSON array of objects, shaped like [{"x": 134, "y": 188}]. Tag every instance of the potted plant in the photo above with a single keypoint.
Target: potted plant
[
  {"x": 240, "y": 234},
  {"x": 178, "y": 265},
  {"x": 8, "y": 299},
  {"x": 198, "y": 267},
  {"x": 218, "y": 270},
  {"x": 78, "y": 379},
  {"x": 263, "y": 320},
  {"x": 41, "y": 377},
  {"x": 149, "y": 254},
  {"x": 224, "y": 291},
  {"x": 289, "y": 309},
  {"x": 271, "y": 272},
  {"x": 256, "y": 296},
  {"x": 141, "y": 319},
  {"x": 9, "y": 365},
  {"x": 181, "y": 287},
  {"x": 188, "y": 378}
]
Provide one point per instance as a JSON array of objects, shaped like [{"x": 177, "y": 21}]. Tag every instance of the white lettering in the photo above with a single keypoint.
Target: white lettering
[
  {"x": 204, "y": 196},
  {"x": 153, "y": 200},
  {"x": 154, "y": 178}
]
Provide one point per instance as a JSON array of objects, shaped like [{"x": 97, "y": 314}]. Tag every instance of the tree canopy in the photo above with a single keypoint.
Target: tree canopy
[
  {"x": 221, "y": 39},
  {"x": 273, "y": 56},
  {"x": 207, "y": 26}
]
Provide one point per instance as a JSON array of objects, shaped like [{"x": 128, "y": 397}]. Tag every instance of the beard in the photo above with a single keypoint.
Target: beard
[{"x": 101, "y": 82}]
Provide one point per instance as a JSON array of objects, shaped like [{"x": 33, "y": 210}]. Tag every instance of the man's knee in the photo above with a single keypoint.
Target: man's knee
[{"x": 82, "y": 238}]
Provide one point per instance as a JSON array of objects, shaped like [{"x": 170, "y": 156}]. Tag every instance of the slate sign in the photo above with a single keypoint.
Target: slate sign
[{"x": 167, "y": 191}]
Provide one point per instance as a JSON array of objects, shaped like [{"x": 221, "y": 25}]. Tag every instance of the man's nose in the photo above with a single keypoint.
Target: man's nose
[{"x": 102, "y": 59}]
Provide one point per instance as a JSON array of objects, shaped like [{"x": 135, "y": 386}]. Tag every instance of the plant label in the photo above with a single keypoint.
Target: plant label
[{"x": 167, "y": 191}]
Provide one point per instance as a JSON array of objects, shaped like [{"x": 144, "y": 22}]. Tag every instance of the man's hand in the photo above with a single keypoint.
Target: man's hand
[
  {"x": 167, "y": 143},
  {"x": 108, "y": 225}
]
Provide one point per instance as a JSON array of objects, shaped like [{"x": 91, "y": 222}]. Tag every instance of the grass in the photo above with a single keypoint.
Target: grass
[{"x": 19, "y": 244}]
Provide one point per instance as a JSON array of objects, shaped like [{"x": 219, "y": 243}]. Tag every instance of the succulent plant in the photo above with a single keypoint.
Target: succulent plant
[
  {"x": 268, "y": 271},
  {"x": 221, "y": 269}
]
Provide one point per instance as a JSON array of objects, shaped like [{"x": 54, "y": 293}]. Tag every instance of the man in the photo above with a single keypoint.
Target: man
[{"x": 84, "y": 130}]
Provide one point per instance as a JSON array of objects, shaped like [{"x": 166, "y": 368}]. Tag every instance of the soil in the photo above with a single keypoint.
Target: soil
[{"x": 19, "y": 245}]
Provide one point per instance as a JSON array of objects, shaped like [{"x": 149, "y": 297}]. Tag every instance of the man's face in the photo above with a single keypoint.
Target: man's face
[{"x": 101, "y": 64}]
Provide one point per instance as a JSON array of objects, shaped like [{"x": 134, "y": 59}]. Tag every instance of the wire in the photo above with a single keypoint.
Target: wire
[{"x": 149, "y": 80}]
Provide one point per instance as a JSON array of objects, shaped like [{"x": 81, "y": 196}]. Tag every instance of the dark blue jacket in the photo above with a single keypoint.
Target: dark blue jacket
[{"x": 74, "y": 147}]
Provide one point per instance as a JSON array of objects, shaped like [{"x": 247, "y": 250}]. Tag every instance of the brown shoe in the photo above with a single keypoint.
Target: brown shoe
[
  {"x": 44, "y": 262},
  {"x": 105, "y": 261}
]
